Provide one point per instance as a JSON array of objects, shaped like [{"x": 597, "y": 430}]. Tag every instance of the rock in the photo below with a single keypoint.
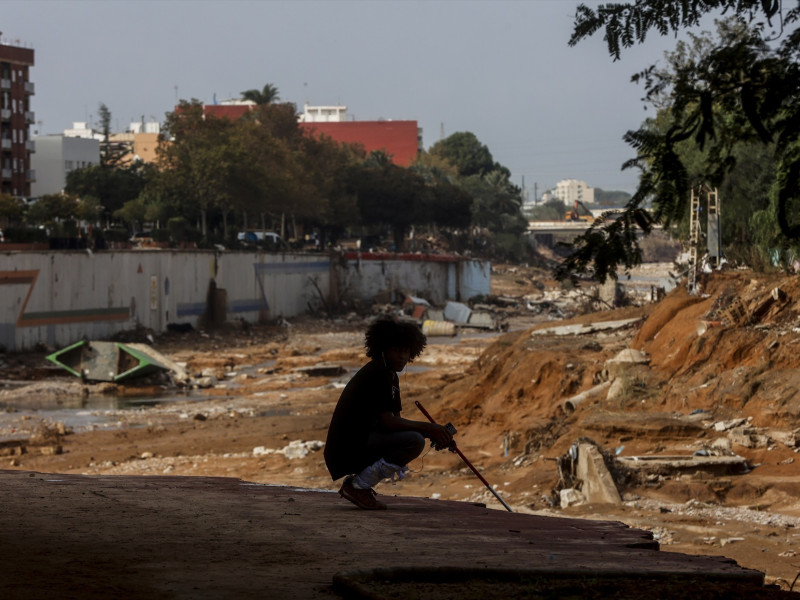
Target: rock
[
  {"x": 301, "y": 449},
  {"x": 730, "y": 540},
  {"x": 787, "y": 438},
  {"x": 206, "y": 382},
  {"x": 726, "y": 425},
  {"x": 571, "y": 497},
  {"x": 617, "y": 390},
  {"x": 722, "y": 444}
]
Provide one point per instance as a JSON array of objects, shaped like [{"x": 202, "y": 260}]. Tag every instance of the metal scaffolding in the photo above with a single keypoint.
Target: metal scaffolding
[{"x": 713, "y": 240}]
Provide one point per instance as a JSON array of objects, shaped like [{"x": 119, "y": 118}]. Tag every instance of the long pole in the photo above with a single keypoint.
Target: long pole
[{"x": 455, "y": 449}]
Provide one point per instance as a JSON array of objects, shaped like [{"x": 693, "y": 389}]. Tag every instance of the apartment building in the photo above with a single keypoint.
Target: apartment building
[
  {"x": 56, "y": 156},
  {"x": 16, "y": 116},
  {"x": 571, "y": 190}
]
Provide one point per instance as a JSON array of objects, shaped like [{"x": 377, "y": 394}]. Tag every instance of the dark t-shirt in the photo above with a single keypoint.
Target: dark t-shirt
[{"x": 375, "y": 389}]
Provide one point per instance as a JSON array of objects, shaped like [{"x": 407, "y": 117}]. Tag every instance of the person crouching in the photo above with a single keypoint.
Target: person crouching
[{"x": 368, "y": 440}]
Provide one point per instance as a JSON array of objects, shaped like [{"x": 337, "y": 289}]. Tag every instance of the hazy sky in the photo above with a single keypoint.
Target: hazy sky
[{"x": 500, "y": 69}]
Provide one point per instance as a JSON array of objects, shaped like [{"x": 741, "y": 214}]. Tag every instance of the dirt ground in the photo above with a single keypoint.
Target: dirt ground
[{"x": 720, "y": 379}]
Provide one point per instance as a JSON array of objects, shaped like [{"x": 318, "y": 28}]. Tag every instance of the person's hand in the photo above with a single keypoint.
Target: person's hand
[{"x": 440, "y": 437}]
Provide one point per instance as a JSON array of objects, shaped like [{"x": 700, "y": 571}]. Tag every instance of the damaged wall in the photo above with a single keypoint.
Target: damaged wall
[
  {"x": 61, "y": 297},
  {"x": 435, "y": 277}
]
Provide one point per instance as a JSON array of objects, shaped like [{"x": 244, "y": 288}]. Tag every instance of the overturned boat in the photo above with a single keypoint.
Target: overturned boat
[{"x": 108, "y": 361}]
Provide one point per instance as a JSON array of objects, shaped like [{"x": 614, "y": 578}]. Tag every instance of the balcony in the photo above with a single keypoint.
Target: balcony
[
  {"x": 30, "y": 146},
  {"x": 5, "y": 173},
  {"x": 29, "y": 117},
  {"x": 5, "y": 144},
  {"x": 5, "y": 114},
  {"x": 30, "y": 175},
  {"x": 29, "y": 88},
  {"x": 5, "y": 84}
]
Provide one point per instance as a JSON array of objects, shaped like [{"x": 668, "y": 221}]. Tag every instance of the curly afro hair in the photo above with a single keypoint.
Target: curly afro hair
[{"x": 388, "y": 332}]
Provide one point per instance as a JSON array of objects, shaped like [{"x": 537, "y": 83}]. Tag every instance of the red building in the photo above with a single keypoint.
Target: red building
[
  {"x": 228, "y": 111},
  {"x": 399, "y": 139},
  {"x": 15, "y": 118}
]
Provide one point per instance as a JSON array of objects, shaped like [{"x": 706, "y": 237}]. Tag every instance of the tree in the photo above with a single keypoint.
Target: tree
[
  {"x": 552, "y": 210},
  {"x": 110, "y": 153},
  {"x": 267, "y": 95},
  {"x": 112, "y": 185},
  {"x": 196, "y": 159},
  {"x": 745, "y": 89},
  {"x": 327, "y": 168},
  {"x": 466, "y": 153},
  {"x": 57, "y": 211},
  {"x": 11, "y": 209},
  {"x": 390, "y": 196}
]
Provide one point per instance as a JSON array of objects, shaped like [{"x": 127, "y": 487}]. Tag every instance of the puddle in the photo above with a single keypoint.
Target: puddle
[{"x": 82, "y": 413}]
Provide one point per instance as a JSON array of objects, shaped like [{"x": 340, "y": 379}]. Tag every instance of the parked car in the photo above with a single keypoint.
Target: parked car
[{"x": 254, "y": 238}]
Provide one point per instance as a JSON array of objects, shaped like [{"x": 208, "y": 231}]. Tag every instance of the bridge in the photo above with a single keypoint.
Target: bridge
[{"x": 548, "y": 233}]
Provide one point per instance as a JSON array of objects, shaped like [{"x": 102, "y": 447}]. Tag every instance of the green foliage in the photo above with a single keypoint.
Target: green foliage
[
  {"x": 262, "y": 170},
  {"x": 51, "y": 208},
  {"x": 25, "y": 235},
  {"x": 267, "y": 95},
  {"x": 112, "y": 186},
  {"x": 180, "y": 230},
  {"x": 552, "y": 210},
  {"x": 114, "y": 235},
  {"x": 390, "y": 196},
  {"x": 468, "y": 155},
  {"x": 496, "y": 203},
  {"x": 715, "y": 97},
  {"x": 610, "y": 198},
  {"x": 11, "y": 209}
]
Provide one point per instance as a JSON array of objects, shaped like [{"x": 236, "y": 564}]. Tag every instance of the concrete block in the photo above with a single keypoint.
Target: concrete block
[{"x": 598, "y": 485}]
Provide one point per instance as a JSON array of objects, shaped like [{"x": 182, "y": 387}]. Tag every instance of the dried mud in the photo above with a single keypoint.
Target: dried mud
[{"x": 504, "y": 393}]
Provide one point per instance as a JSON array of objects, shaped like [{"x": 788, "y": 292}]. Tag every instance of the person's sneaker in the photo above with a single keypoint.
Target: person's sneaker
[{"x": 361, "y": 498}]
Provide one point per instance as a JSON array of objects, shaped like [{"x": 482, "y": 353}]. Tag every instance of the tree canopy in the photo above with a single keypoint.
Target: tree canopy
[
  {"x": 264, "y": 170},
  {"x": 744, "y": 88},
  {"x": 267, "y": 95}
]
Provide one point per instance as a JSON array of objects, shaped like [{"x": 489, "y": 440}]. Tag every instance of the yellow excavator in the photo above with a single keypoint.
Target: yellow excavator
[{"x": 574, "y": 214}]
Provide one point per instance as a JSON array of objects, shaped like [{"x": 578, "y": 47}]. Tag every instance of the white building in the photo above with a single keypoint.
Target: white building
[
  {"x": 80, "y": 130},
  {"x": 57, "y": 155},
  {"x": 323, "y": 114},
  {"x": 571, "y": 190}
]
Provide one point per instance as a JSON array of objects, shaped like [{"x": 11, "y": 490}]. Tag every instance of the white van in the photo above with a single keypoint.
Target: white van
[{"x": 256, "y": 237}]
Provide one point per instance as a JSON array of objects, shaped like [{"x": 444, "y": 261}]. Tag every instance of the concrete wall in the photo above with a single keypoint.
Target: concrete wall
[
  {"x": 435, "y": 277},
  {"x": 61, "y": 297}
]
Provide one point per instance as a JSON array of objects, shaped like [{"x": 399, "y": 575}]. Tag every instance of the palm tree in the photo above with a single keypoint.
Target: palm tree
[{"x": 268, "y": 95}]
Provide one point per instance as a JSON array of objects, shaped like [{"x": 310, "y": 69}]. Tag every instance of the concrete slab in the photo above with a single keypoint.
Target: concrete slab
[{"x": 91, "y": 537}]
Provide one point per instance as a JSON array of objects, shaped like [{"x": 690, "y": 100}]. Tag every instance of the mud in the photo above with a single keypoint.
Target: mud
[{"x": 264, "y": 419}]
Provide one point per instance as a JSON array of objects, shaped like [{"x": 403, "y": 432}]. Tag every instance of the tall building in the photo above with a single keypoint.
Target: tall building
[
  {"x": 16, "y": 117},
  {"x": 56, "y": 156},
  {"x": 571, "y": 190}
]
